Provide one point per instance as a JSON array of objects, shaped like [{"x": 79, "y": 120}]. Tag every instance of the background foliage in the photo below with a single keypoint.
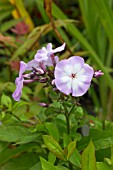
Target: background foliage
[{"x": 32, "y": 137}]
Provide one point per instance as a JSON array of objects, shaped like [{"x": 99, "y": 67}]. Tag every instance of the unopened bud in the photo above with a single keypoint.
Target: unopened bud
[
  {"x": 30, "y": 81},
  {"x": 30, "y": 75},
  {"x": 53, "y": 82},
  {"x": 43, "y": 104},
  {"x": 38, "y": 71},
  {"x": 43, "y": 80},
  {"x": 98, "y": 73}
]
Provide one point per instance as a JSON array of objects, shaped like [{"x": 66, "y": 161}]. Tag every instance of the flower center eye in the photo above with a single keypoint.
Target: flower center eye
[{"x": 73, "y": 76}]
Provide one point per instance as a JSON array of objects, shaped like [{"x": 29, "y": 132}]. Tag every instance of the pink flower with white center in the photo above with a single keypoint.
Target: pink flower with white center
[
  {"x": 46, "y": 55},
  {"x": 73, "y": 76}
]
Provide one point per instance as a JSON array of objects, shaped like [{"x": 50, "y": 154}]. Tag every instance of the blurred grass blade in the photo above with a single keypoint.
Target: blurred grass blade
[
  {"x": 21, "y": 12},
  {"x": 9, "y": 24},
  {"x": 106, "y": 17}
]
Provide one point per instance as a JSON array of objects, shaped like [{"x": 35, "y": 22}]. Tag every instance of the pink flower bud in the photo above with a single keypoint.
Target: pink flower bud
[
  {"x": 98, "y": 73},
  {"x": 43, "y": 80},
  {"x": 43, "y": 104},
  {"x": 53, "y": 82}
]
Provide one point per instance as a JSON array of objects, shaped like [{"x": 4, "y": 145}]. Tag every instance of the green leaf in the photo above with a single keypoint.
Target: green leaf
[
  {"x": 9, "y": 24},
  {"x": 103, "y": 153},
  {"x": 53, "y": 131},
  {"x": 47, "y": 165},
  {"x": 23, "y": 162},
  {"x": 101, "y": 138},
  {"x": 103, "y": 166},
  {"x": 75, "y": 159},
  {"x": 11, "y": 133},
  {"x": 88, "y": 158},
  {"x": 4, "y": 15},
  {"x": 61, "y": 124},
  {"x": 53, "y": 95},
  {"x": 112, "y": 154},
  {"x": 50, "y": 111},
  {"x": 70, "y": 149},
  {"x": 28, "y": 138},
  {"x": 19, "y": 104},
  {"x": 51, "y": 158},
  {"x": 66, "y": 139},
  {"x": 9, "y": 153},
  {"x": 3, "y": 145},
  {"x": 6, "y": 101},
  {"x": 53, "y": 146},
  {"x": 36, "y": 167},
  {"x": 61, "y": 168}
]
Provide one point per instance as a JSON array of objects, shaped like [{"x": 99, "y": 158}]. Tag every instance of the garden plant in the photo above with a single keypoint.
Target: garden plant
[{"x": 56, "y": 85}]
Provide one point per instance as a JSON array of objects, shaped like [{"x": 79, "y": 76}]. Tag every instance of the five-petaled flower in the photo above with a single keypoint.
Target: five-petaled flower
[{"x": 73, "y": 76}]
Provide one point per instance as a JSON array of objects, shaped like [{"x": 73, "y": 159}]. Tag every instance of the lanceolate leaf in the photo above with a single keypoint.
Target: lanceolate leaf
[
  {"x": 53, "y": 131},
  {"x": 75, "y": 159},
  {"x": 88, "y": 158},
  {"x": 70, "y": 149},
  {"x": 53, "y": 146},
  {"x": 47, "y": 165}
]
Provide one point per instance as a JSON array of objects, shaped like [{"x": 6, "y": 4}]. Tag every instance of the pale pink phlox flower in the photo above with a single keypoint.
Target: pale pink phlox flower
[
  {"x": 73, "y": 76},
  {"x": 46, "y": 55}
]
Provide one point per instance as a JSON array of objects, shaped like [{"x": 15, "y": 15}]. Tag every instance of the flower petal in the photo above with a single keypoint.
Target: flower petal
[
  {"x": 23, "y": 67},
  {"x": 79, "y": 88},
  {"x": 77, "y": 63},
  {"x": 59, "y": 49},
  {"x": 64, "y": 87},
  {"x": 85, "y": 74},
  {"x": 18, "y": 92},
  {"x": 49, "y": 47},
  {"x": 31, "y": 64}
]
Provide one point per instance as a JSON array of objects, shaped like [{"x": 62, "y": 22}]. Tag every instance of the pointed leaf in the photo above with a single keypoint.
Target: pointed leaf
[
  {"x": 53, "y": 131},
  {"x": 70, "y": 149},
  {"x": 53, "y": 146},
  {"x": 75, "y": 159},
  {"x": 47, "y": 165},
  {"x": 88, "y": 158}
]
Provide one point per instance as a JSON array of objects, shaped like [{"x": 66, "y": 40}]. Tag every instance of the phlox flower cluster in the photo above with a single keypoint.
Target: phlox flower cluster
[{"x": 70, "y": 76}]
